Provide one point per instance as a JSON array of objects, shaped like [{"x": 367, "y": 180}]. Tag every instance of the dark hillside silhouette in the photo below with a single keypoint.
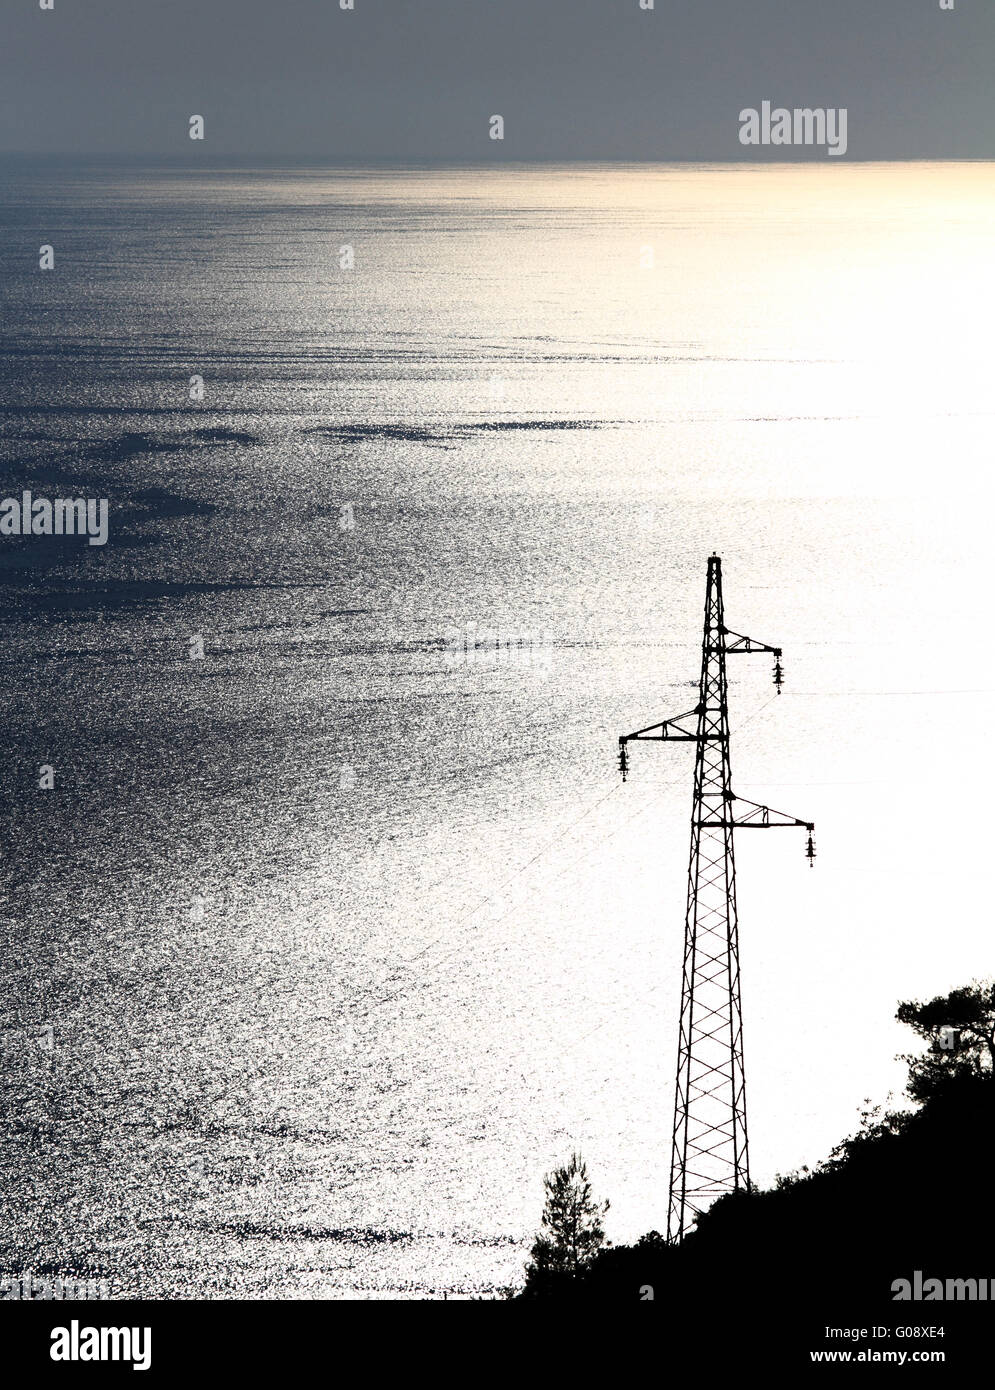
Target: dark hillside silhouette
[{"x": 911, "y": 1191}]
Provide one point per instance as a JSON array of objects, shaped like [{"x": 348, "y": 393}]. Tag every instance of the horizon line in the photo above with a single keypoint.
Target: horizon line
[{"x": 332, "y": 161}]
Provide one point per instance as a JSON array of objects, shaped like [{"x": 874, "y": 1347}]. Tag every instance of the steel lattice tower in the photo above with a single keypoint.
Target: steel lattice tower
[{"x": 710, "y": 1152}]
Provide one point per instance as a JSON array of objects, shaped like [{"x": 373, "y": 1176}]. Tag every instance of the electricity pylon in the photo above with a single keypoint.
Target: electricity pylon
[{"x": 710, "y": 1151}]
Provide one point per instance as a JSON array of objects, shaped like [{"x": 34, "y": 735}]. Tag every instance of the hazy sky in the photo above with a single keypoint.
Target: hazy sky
[{"x": 420, "y": 78}]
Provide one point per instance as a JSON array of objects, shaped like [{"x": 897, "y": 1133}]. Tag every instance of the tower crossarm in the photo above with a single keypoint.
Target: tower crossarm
[
  {"x": 750, "y": 815},
  {"x": 736, "y": 645},
  {"x": 669, "y": 729},
  {"x": 674, "y": 730}
]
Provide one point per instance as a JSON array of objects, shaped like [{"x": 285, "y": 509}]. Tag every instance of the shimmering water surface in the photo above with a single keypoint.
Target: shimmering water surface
[{"x": 324, "y": 947}]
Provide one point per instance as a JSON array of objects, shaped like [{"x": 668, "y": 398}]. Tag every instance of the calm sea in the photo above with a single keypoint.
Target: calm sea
[{"x": 336, "y": 928}]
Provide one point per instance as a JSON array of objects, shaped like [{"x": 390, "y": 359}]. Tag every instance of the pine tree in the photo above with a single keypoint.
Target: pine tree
[{"x": 571, "y": 1233}]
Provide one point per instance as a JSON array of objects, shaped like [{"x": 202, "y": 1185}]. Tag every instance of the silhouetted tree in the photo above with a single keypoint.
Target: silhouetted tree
[
  {"x": 571, "y": 1233},
  {"x": 960, "y": 1030}
]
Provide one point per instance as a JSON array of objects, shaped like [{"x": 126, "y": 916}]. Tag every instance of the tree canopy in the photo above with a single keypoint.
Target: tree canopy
[
  {"x": 571, "y": 1231},
  {"x": 960, "y": 1030}
]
